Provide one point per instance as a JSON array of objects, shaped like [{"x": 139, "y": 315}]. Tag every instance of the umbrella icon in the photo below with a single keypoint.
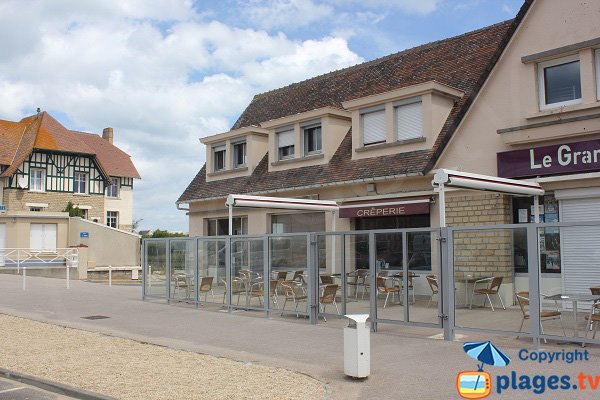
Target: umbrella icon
[{"x": 487, "y": 353}]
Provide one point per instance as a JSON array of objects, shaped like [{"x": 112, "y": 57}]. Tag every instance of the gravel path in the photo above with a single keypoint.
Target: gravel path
[{"x": 127, "y": 369}]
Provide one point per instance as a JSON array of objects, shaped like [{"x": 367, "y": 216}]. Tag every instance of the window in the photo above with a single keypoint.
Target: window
[
  {"x": 373, "y": 126},
  {"x": 312, "y": 139},
  {"x": 559, "y": 82},
  {"x": 80, "y": 183},
  {"x": 112, "y": 219},
  {"x": 220, "y": 226},
  {"x": 285, "y": 144},
  {"x": 84, "y": 213},
  {"x": 598, "y": 74},
  {"x": 37, "y": 180},
  {"x": 35, "y": 209},
  {"x": 289, "y": 252},
  {"x": 219, "y": 157},
  {"x": 113, "y": 189},
  {"x": 239, "y": 154},
  {"x": 42, "y": 237},
  {"x": 408, "y": 117}
]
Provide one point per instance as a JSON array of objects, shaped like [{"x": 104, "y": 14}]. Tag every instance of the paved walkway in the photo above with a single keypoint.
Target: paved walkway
[{"x": 403, "y": 364}]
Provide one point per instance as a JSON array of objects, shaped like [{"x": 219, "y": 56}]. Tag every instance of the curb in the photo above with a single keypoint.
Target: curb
[{"x": 52, "y": 386}]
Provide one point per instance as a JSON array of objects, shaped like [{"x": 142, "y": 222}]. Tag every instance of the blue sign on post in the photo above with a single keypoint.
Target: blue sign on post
[{"x": 84, "y": 234}]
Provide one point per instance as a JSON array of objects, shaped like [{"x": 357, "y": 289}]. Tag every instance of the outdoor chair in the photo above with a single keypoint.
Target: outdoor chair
[
  {"x": 299, "y": 277},
  {"x": 237, "y": 285},
  {"x": 383, "y": 288},
  {"x": 281, "y": 275},
  {"x": 361, "y": 278},
  {"x": 274, "y": 292},
  {"x": 400, "y": 279},
  {"x": 293, "y": 292},
  {"x": 205, "y": 286},
  {"x": 182, "y": 281},
  {"x": 593, "y": 319},
  {"x": 328, "y": 297},
  {"x": 327, "y": 279},
  {"x": 523, "y": 300},
  {"x": 491, "y": 289},
  {"x": 433, "y": 284},
  {"x": 256, "y": 290}
]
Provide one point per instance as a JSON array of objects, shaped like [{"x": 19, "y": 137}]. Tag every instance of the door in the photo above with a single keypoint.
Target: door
[{"x": 2, "y": 243}]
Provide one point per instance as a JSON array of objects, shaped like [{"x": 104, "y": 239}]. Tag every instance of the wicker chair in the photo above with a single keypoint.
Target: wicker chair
[
  {"x": 523, "y": 300},
  {"x": 433, "y": 284},
  {"x": 593, "y": 319},
  {"x": 383, "y": 288},
  {"x": 293, "y": 292},
  {"x": 205, "y": 286},
  {"x": 491, "y": 289},
  {"x": 328, "y": 297}
]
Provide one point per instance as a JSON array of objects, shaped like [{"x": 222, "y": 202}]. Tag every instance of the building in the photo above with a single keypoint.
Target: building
[
  {"x": 515, "y": 99},
  {"x": 44, "y": 167}
]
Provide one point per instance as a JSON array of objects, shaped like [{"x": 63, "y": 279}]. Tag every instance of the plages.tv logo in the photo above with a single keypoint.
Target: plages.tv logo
[{"x": 478, "y": 384}]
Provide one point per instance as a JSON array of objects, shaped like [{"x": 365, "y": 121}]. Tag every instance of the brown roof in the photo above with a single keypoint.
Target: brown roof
[
  {"x": 462, "y": 62},
  {"x": 43, "y": 132}
]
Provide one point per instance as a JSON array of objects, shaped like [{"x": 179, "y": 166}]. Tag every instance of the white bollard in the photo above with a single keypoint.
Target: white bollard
[
  {"x": 110, "y": 276},
  {"x": 68, "y": 277},
  {"x": 24, "y": 278},
  {"x": 149, "y": 275}
]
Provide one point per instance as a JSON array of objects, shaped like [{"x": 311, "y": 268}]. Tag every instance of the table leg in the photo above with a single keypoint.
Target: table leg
[{"x": 575, "y": 331}]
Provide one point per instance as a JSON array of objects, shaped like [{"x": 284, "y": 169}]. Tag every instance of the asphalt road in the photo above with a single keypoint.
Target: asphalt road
[{"x": 13, "y": 390}]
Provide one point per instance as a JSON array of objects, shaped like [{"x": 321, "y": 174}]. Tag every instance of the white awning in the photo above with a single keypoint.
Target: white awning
[{"x": 238, "y": 200}]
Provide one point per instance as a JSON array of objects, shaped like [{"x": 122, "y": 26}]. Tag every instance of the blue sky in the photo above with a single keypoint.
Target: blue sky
[{"x": 164, "y": 73}]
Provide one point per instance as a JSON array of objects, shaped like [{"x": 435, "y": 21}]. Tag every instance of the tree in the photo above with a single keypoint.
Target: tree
[
  {"x": 164, "y": 234},
  {"x": 73, "y": 210}
]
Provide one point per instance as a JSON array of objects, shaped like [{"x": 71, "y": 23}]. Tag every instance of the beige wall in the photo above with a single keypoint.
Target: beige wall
[
  {"x": 106, "y": 246},
  {"x": 510, "y": 96},
  {"x": 123, "y": 204},
  {"x": 17, "y": 228}
]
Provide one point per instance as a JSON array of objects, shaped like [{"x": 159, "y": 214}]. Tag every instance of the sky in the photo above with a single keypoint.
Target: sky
[{"x": 164, "y": 73}]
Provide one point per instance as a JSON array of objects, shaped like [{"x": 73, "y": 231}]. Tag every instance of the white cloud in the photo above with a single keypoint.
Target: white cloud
[
  {"x": 158, "y": 72},
  {"x": 405, "y": 6},
  {"x": 270, "y": 14}
]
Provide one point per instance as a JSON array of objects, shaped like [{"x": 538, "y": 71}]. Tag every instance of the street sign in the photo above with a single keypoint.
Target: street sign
[{"x": 84, "y": 234}]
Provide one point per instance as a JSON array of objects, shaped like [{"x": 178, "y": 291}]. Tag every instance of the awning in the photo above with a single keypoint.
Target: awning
[
  {"x": 239, "y": 200},
  {"x": 385, "y": 207}
]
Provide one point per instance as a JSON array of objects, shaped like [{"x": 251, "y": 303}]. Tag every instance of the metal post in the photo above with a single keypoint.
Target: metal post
[
  {"x": 313, "y": 286},
  {"x": 149, "y": 276},
  {"x": 110, "y": 276},
  {"x": 344, "y": 279},
  {"x": 68, "y": 277},
  {"x": 373, "y": 279},
  {"x": 24, "y": 278},
  {"x": 230, "y": 219},
  {"x": 446, "y": 291},
  {"x": 333, "y": 218},
  {"x": 442, "y": 205},
  {"x": 405, "y": 273},
  {"x": 267, "y": 277},
  {"x": 536, "y": 211},
  {"x": 228, "y": 272},
  {"x": 168, "y": 268},
  {"x": 534, "y": 283},
  {"x": 144, "y": 270},
  {"x": 197, "y": 275}
]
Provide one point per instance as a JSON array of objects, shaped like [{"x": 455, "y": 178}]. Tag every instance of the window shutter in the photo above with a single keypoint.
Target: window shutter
[
  {"x": 373, "y": 125},
  {"x": 285, "y": 138},
  {"x": 409, "y": 121},
  {"x": 36, "y": 236},
  {"x": 49, "y": 237}
]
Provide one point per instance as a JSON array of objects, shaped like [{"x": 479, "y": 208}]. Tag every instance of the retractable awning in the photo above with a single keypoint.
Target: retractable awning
[{"x": 444, "y": 178}]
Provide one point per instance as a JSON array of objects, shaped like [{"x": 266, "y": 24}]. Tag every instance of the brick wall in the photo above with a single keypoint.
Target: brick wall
[
  {"x": 16, "y": 199},
  {"x": 483, "y": 252}
]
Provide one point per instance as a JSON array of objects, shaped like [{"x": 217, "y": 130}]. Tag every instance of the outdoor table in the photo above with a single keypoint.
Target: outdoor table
[
  {"x": 398, "y": 276},
  {"x": 575, "y": 298}
]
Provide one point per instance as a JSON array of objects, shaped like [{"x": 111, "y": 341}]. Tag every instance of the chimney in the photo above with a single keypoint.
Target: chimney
[{"x": 107, "y": 134}]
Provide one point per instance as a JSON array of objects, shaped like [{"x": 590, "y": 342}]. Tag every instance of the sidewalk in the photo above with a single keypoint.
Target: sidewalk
[{"x": 403, "y": 366}]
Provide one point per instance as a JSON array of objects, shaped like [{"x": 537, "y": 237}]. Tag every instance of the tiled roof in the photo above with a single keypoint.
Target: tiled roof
[
  {"x": 43, "y": 132},
  {"x": 462, "y": 62}
]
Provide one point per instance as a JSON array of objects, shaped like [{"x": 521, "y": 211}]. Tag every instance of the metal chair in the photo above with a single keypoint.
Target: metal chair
[
  {"x": 328, "y": 297},
  {"x": 361, "y": 278},
  {"x": 205, "y": 286},
  {"x": 383, "y": 288},
  {"x": 237, "y": 285},
  {"x": 523, "y": 300},
  {"x": 593, "y": 319},
  {"x": 293, "y": 292},
  {"x": 491, "y": 289}
]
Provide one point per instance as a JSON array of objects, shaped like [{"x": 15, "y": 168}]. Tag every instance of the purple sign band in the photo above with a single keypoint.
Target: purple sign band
[
  {"x": 390, "y": 210},
  {"x": 550, "y": 160}
]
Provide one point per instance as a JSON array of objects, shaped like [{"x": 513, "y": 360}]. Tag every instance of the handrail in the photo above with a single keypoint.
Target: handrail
[{"x": 20, "y": 256}]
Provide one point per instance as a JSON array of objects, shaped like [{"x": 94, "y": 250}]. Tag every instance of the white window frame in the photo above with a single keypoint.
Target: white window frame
[
  {"x": 373, "y": 110},
  {"x": 77, "y": 181},
  {"x": 116, "y": 184},
  {"x": 403, "y": 103},
  {"x": 287, "y": 130},
  {"x": 236, "y": 146},
  {"x": 305, "y": 131},
  {"x": 116, "y": 218},
  {"x": 597, "y": 56},
  {"x": 542, "y": 84},
  {"x": 218, "y": 148},
  {"x": 42, "y": 181}
]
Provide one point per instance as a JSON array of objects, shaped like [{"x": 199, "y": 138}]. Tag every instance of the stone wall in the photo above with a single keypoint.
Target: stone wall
[
  {"x": 483, "y": 252},
  {"x": 15, "y": 200}
]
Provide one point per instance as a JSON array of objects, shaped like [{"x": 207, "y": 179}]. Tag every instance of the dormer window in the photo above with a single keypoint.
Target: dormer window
[
  {"x": 372, "y": 121},
  {"x": 285, "y": 143},
  {"x": 219, "y": 157},
  {"x": 239, "y": 154},
  {"x": 559, "y": 82},
  {"x": 312, "y": 138},
  {"x": 408, "y": 116}
]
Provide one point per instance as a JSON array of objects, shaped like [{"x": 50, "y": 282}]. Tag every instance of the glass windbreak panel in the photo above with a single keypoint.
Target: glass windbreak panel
[
  {"x": 356, "y": 269},
  {"x": 423, "y": 277},
  {"x": 571, "y": 293},
  {"x": 183, "y": 269},
  {"x": 247, "y": 270},
  {"x": 155, "y": 258},
  {"x": 389, "y": 276},
  {"x": 562, "y": 82},
  {"x": 485, "y": 283},
  {"x": 289, "y": 266},
  {"x": 212, "y": 276},
  {"x": 330, "y": 262}
]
